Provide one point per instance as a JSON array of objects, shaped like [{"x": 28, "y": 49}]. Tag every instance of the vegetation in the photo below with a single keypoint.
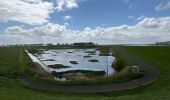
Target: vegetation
[
  {"x": 120, "y": 61},
  {"x": 90, "y": 52},
  {"x": 126, "y": 74},
  {"x": 104, "y": 50},
  {"x": 58, "y": 66},
  {"x": 118, "y": 64},
  {"x": 35, "y": 50},
  {"x": 14, "y": 63},
  {"x": 90, "y": 44},
  {"x": 95, "y": 75},
  {"x": 39, "y": 71},
  {"x": 78, "y": 75},
  {"x": 93, "y": 60},
  {"x": 82, "y": 71},
  {"x": 70, "y": 52},
  {"x": 48, "y": 60},
  {"x": 73, "y": 62},
  {"x": 87, "y": 56}
]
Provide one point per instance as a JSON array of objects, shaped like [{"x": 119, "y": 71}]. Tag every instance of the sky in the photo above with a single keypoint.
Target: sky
[{"x": 99, "y": 21}]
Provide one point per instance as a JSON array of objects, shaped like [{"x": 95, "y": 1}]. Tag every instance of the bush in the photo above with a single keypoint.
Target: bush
[{"x": 118, "y": 65}]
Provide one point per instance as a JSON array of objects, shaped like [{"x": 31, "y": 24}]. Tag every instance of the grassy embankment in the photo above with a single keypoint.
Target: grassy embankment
[
  {"x": 13, "y": 62},
  {"x": 10, "y": 88},
  {"x": 122, "y": 65}
]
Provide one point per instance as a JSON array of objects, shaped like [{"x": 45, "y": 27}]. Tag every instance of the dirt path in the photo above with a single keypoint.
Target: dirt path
[{"x": 152, "y": 74}]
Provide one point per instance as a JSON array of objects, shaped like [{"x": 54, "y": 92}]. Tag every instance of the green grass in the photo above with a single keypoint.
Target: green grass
[
  {"x": 104, "y": 50},
  {"x": 12, "y": 62}
]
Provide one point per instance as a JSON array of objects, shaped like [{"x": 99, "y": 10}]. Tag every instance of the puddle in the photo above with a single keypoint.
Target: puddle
[{"x": 81, "y": 56}]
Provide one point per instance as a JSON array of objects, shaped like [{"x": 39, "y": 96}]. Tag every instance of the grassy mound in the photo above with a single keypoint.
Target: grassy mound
[
  {"x": 58, "y": 66},
  {"x": 87, "y": 56},
  {"x": 93, "y": 60},
  {"x": 73, "y": 62}
]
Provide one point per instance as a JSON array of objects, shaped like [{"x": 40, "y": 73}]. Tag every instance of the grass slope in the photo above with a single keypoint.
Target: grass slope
[{"x": 13, "y": 64}]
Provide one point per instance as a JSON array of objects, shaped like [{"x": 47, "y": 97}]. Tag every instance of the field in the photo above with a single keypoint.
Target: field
[{"x": 14, "y": 64}]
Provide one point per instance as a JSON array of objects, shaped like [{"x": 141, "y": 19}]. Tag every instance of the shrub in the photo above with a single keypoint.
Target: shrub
[{"x": 118, "y": 64}]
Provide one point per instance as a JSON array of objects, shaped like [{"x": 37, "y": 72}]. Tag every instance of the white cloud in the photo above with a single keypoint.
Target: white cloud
[
  {"x": 163, "y": 6},
  {"x": 66, "y": 4},
  {"x": 49, "y": 30},
  {"x": 66, "y": 24},
  {"x": 131, "y": 17},
  {"x": 141, "y": 18},
  {"x": 33, "y": 12},
  {"x": 129, "y": 3},
  {"x": 66, "y": 18},
  {"x": 148, "y": 30}
]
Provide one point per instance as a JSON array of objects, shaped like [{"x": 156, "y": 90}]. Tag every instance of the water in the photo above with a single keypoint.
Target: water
[{"x": 63, "y": 56}]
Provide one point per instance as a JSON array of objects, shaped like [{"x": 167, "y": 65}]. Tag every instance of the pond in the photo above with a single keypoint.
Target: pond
[{"x": 77, "y": 59}]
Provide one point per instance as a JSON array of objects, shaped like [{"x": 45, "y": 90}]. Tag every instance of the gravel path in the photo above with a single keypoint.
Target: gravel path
[{"x": 152, "y": 74}]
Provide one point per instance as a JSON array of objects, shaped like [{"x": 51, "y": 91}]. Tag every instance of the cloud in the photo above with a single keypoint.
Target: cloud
[
  {"x": 66, "y": 18},
  {"x": 129, "y": 3},
  {"x": 33, "y": 12},
  {"x": 131, "y": 17},
  {"x": 49, "y": 30},
  {"x": 66, "y": 24},
  {"x": 163, "y": 6},
  {"x": 125, "y": 1},
  {"x": 49, "y": 33},
  {"x": 147, "y": 30},
  {"x": 66, "y": 4},
  {"x": 141, "y": 18}
]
